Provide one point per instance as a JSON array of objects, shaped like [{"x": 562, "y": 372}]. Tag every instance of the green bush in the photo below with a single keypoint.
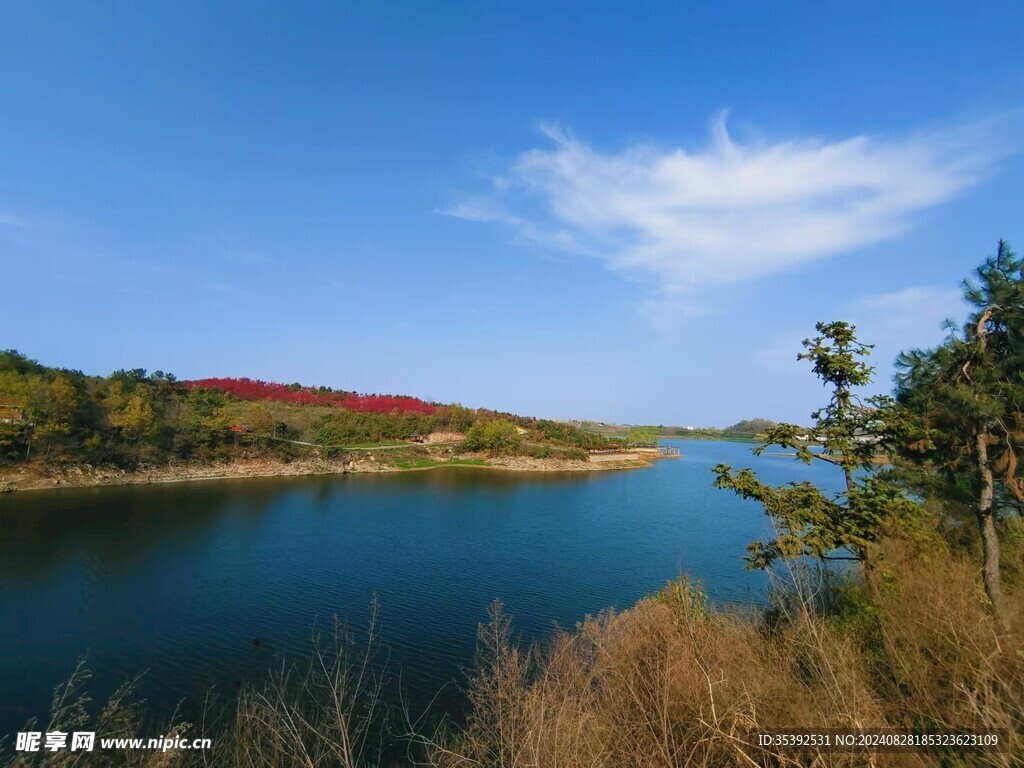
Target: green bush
[{"x": 498, "y": 436}]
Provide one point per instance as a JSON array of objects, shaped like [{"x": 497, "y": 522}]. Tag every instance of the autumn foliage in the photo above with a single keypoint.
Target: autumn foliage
[{"x": 254, "y": 389}]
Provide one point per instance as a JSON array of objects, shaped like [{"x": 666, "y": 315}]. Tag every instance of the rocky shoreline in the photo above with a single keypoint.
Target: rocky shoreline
[{"x": 29, "y": 478}]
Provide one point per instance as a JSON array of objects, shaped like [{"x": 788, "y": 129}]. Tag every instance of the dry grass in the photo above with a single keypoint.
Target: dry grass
[
  {"x": 949, "y": 664},
  {"x": 672, "y": 683},
  {"x": 328, "y": 712},
  {"x": 120, "y": 717}
]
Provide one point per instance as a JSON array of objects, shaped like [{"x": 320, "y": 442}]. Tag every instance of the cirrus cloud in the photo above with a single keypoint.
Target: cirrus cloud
[
  {"x": 13, "y": 221},
  {"x": 728, "y": 211}
]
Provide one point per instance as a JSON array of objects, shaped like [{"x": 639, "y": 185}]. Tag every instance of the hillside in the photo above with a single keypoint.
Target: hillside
[
  {"x": 254, "y": 390},
  {"x": 54, "y": 419}
]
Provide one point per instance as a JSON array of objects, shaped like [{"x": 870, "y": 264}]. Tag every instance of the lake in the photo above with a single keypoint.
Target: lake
[{"x": 181, "y": 580}]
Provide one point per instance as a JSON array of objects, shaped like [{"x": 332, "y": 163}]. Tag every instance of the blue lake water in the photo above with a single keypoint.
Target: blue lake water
[{"x": 180, "y": 579}]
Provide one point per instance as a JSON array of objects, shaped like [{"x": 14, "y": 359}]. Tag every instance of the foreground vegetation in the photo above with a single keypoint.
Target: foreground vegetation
[
  {"x": 671, "y": 682},
  {"x": 923, "y": 630}
]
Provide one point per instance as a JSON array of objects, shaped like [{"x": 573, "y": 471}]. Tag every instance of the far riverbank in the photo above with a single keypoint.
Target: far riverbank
[{"x": 37, "y": 477}]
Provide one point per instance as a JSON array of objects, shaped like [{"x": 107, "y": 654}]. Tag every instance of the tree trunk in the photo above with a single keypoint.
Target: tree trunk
[{"x": 987, "y": 528}]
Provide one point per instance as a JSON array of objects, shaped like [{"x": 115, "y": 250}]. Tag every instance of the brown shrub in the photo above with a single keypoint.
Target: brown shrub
[
  {"x": 672, "y": 683},
  {"x": 950, "y": 665}
]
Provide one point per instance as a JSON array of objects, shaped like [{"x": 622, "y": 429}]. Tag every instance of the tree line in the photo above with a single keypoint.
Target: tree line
[{"x": 132, "y": 418}]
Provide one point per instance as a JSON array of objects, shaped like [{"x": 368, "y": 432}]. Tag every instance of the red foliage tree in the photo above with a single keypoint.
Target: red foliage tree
[{"x": 254, "y": 389}]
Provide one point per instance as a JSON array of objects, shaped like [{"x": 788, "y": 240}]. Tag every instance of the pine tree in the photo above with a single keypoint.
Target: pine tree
[
  {"x": 967, "y": 397},
  {"x": 810, "y": 522}
]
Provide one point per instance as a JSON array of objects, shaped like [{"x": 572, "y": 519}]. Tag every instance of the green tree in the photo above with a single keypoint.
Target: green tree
[
  {"x": 848, "y": 428},
  {"x": 502, "y": 436},
  {"x": 13, "y": 442},
  {"x": 643, "y": 436},
  {"x": 808, "y": 521},
  {"x": 168, "y": 391},
  {"x": 261, "y": 419},
  {"x": 752, "y": 427},
  {"x": 56, "y": 409},
  {"x": 966, "y": 398},
  {"x": 497, "y": 436},
  {"x": 207, "y": 423},
  {"x": 135, "y": 418}
]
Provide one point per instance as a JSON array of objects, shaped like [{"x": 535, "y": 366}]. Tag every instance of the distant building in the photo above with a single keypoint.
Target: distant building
[
  {"x": 11, "y": 414},
  {"x": 242, "y": 429},
  {"x": 865, "y": 438}
]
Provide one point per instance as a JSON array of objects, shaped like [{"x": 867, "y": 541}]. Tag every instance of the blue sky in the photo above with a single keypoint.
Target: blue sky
[{"x": 618, "y": 211}]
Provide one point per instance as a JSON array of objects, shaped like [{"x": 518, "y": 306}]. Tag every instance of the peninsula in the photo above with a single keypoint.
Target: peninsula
[{"x": 63, "y": 428}]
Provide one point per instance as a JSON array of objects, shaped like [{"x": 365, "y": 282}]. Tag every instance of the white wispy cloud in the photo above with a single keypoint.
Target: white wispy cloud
[
  {"x": 728, "y": 211},
  {"x": 917, "y": 307},
  {"x": 913, "y": 317},
  {"x": 893, "y": 322},
  {"x": 14, "y": 222}
]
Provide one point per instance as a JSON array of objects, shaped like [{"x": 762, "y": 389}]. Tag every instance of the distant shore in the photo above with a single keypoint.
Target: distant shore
[{"x": 34, "y": 477}]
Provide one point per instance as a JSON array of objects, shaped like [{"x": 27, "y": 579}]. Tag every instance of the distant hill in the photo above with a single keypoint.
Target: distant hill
[{"x": 749, "y": 427}]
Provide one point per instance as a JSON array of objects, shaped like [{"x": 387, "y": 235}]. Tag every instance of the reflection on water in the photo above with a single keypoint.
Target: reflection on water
[{"x": 181, "y": 579}]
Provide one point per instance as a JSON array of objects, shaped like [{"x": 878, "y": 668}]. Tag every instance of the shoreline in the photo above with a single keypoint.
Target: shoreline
[{"x": 36, "y": 479}]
